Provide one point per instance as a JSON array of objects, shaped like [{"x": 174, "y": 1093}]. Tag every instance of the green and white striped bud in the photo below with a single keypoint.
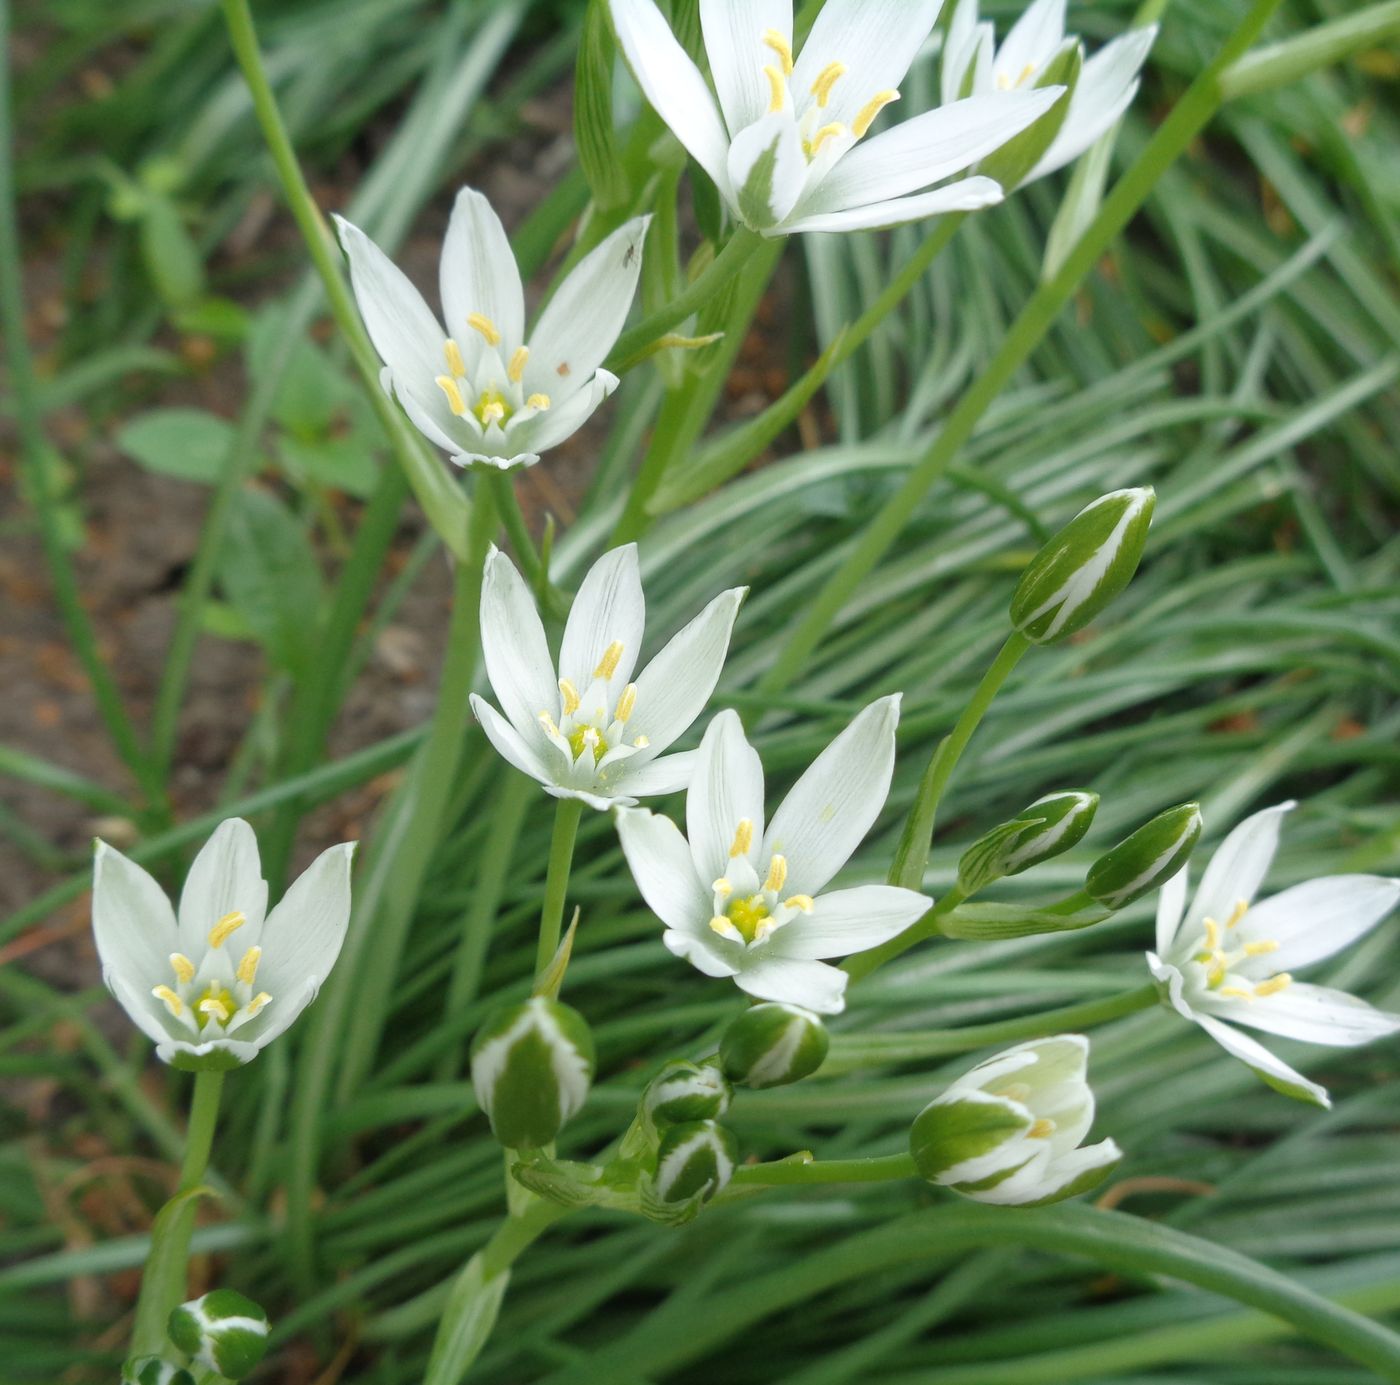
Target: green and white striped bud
[
  {"x": 153, "y": 1370},
  {"x": 1049, "y": 826},
  {"x": 1008, "y": 1131},
  {"x": 695, "y": 1161},
  {"x": 682, "y": 1092},
  {"x": 1083, "y": 567},
  {"x": 222, "y": 1331},
  {"x": 1147, "y": 859},
  {"x": 532, "y": 1065},
  {"x": 773, "y": 1044}
]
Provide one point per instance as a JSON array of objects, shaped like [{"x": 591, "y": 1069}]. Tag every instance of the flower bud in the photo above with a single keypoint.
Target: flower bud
[
  {"x": 695, "y": 1161},
  {"x": 531, "y": 1066},
  {"x": 1049, "y": 826},
  {"x": 1083, "y": 567},
  {"x": 153, "y": 1370},
  {"x": 1147, "y": 859},
  {"x": 773, "y": 1044},
  {"x": 222, "y": 1331},
  {"x": 683, "y": 1092},
  {"x": 1010, "y": 164},
  {"x": 1008, "y": 1131}
]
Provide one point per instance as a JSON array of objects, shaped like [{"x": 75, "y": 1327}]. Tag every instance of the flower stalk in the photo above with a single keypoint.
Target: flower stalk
[{"x": 567, "y": 813}]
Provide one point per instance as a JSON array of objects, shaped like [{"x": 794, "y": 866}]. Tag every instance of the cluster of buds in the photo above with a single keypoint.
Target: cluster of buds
[{"x": 220, "y": 1332}]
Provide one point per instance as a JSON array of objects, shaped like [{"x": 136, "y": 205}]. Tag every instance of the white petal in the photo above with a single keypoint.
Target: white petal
[
  {"x": 659, "y": 858},
  {"x": 243, "y": 1052},
  {"x": 142, "y": 1008},
  {"x": 1317, "y": 918},
  {"x": 603, "y": 802},
  {"x": 727, "y": 787},
  {"x": 877, "y": 40},
  {"x": 834, "y": 804},
  {"x": 430, "y": 416},
  {"x": 812, "y": 985},
  {"x": 1052, "y": 1180},
  {"x": 226, "y": 876},
  {"x": 767, "y": 170},
  {"x": 509, "y": 743},
  {"x": 1273, "y": 1070},
  {"x": 967, "y": 195},
  {"x": 849, "y": 921},
  {"x": 1314, "y": 1015},
  {"x": 304, "y": 932},
  {"x": 703, "y": 957},
  {"x": 561, "y": 421},
  {"x": 673, "y": 84},
  {"x": 520, "y": 459},
  {"x": 1165, "y": 974},
  {"x": 663, "y": 775},
  {"x": 674, "y": 687},
  {"x": 581, "y": 322},
  {"x": 928, "y": 148},
  {"x": 609, "y": 608},
  {"x": 403, "y": 329},
  {"x": 279, "y": 1015},
  {"x": 478, "y": 274},
  {"x": 1171, "y": 905},
  {"x": 1031, "y": 40},
  {"x": 514, "y": 648},
  {"x": 1238, "y": 867},
  {"x": 959, "y": 44},
  {"x": 132, "y": 922},
  {"x": 734, "y": 32}
]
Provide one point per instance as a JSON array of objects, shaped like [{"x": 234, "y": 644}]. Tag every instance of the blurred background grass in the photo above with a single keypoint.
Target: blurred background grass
[{"x": 1238, "y": 350}]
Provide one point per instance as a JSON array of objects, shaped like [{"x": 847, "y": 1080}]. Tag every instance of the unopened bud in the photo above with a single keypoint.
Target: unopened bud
[
  {"x": 1049, "y": 826},
  {"x": 684, "y": 1091},
  {"x": 773, "y": 1044},
  {"x": 1079, "y": 571},
  {"x": 1147, "y": 859},
  {"x": 222, "y": 1331},
  {"x": 532, "y": 1065},
  {"x": 695, "y": 1161},
  {"x": 152, "y": 1370}
]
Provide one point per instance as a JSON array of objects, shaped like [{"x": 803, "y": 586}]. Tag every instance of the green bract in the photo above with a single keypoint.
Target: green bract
[
  {"x": 695, "y": 1161},
  {"x": 531, "y": 1066},
  {"x": 773, "y": 1044},
  {"x": 1147, "y": 859},
  {"x": 1048, "y": 827},
  {"x": 1083, "y": 567},
  {"x": 684, "y": 1091},
  {"x": 222, "y": 1331}
]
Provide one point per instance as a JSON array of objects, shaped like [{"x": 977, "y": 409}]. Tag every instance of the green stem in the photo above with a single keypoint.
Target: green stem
[
  {"x": 163, "y": 1281},
  {"x": 517, "y": 1234},
  {"x": 790, "y": 1172},
  {"x": 508, "y": 507},
  {"x": 556, "y": 885},
  {"x": 1189, "y": 116}
]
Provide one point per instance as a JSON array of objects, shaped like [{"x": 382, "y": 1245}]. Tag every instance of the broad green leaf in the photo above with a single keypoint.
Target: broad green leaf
[{"x": 187, "y": 443}]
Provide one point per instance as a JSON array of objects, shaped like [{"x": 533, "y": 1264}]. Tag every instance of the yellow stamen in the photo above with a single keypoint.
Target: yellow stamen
[
  {"x": 826, "y": 79},
  {"x": 453, "y": 353},
  {"x": 1042, "y": 1129},
  {"x": 627, "y": 703},
  {"x": 173, "y": 1003},
  {"x": 1240, "y": 910},
  {"x": 455, "y": 402},
  {"x": 722, "y": 886},
  {"x": 215, "y": 1008},
  {"x": 799, "y": 901},
  {"x": 642, "y": 742},
  {"x": 248, "y": 967},
  {"x": 774, "y": 40},
  {"x": 549, "y": 724},
  {"x": 537, "y": 401},
  {"x": 1212, "y": 934},
  {"x": 516, "y": 368},
  {"x": 866, "y": 116},
  {"x": 777, "y": 89},
  {"x": 607, "y": 665},
  {"x": 1236, "y": 992},
  {"x": 1216, "y": 974},
  {"x": 182, "y": 967},
  {"x": 493, "y": 411},
  {"x": 1260, "y": 949},
  {"x": 825, "y": 133},
  {"x": 777, "y": 874},
  {"x": 1016, "y": 1091},
  {"x": 1274, "y": 984},
  {"x": 256, "y": 1004},
  {"x": 570, "y": 695},
  {"x": 721, "y": 925},
  {"x": 481, "y": 323},
  {"x": 743, "y": 838},
  {"x": 226, "y": 927}
]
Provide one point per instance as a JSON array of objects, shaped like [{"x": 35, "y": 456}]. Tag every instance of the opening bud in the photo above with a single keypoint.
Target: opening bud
[
  {"x": 532, "y": 1065},
  {"x": 1147, "y": 859},
  {"x": 222, "y": 1331},
  {"x": 153, "y": 1370},
  {"x": 1010, "y": 164},
  {"x": 695, "y": 1161},
  {"x": 773, "y": 1044},
  {"x": 683, "y": 1092},
  {"x": 1083, "y": 567},
  {"x": 1049, "y": 826},
  {"x": 1009, "y": 1131}
]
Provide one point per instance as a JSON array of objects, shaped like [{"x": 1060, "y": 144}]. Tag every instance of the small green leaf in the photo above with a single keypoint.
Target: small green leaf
[
  {"x": 595, "y": 131},
  {"x": 337, "y": 463},
  {"x": 172, "y": 259},
  {"x": 466, "y": 1322},
  {"x": 187, "y": 443}
]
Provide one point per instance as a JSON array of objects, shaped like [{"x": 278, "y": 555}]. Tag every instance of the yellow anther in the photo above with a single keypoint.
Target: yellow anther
[
  {"x": 1027, "y": 72},
  {"x": 479, "y": 322},
  {"x": 777, "y": 874},
  {"x": 799, "y": 901},
  {"x": 627, "y": 703},
  {"x": 1260, "y": 949},
  {"x": 642, "y": 742},
  {"x": 226, "y": 927},
  {"x": 214, "y": 1008},
  {"x": 537, "y": 401},
  {"x": 516, "y": 368},
  {"x": 865, "y": 118},
  {"x": 820, "y": 138},
  {"x": 256, "y": 1004},
  {"x": 1236, "y": 993},
  {"x": 1015, "y": 1091},
  {"x": 743, "y": 838},
  {"x": 1212, "y": 934},
  {"x": 248, "y": 967},
  {"x": 607, "y": 665},
  {"x": 1240, "y": 910},
  {"x": 455, "y": 402},
  {"x": 721, "y": 925},
  {"x": 491, "y": 411},
  {"x": 453, "y": 353},
  {"x": 1042, "y": 1129},
  {"x": 774, "y": 40},
  {"x": 777, "y": 89},
  {"x": 1274, "y": 984},
  {"x": 549, "y": 724},
  {"x": 570, "y": 695},
  {"x": 826, "y": 79},
  {"x": 173, "y": 1003},
  {"x": 722, "y": 886},
  {"x": 182, "y": 967}
]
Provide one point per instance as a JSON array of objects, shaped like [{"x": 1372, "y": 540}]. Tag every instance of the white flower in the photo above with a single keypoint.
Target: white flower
[
  {"x": 1229, "y": 959},
  {"x": 785, "y": 144},
  {"x": 226, "y": 978},
  {"x": 739, "y": 902},
  {"x": 973, "y": 65},
  {"x": 587, "y": 730},
  {"x": 477, "y": 389}
]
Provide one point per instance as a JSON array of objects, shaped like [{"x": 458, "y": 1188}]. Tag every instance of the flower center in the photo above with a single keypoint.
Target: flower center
[
  {"x": 488, "y": 400},
  {"x": 749, "y": 915},
  {"x": 216, "y": 995},
  {"x": 591, "y": 725},
  {"x": 1218, "y": 959}
]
